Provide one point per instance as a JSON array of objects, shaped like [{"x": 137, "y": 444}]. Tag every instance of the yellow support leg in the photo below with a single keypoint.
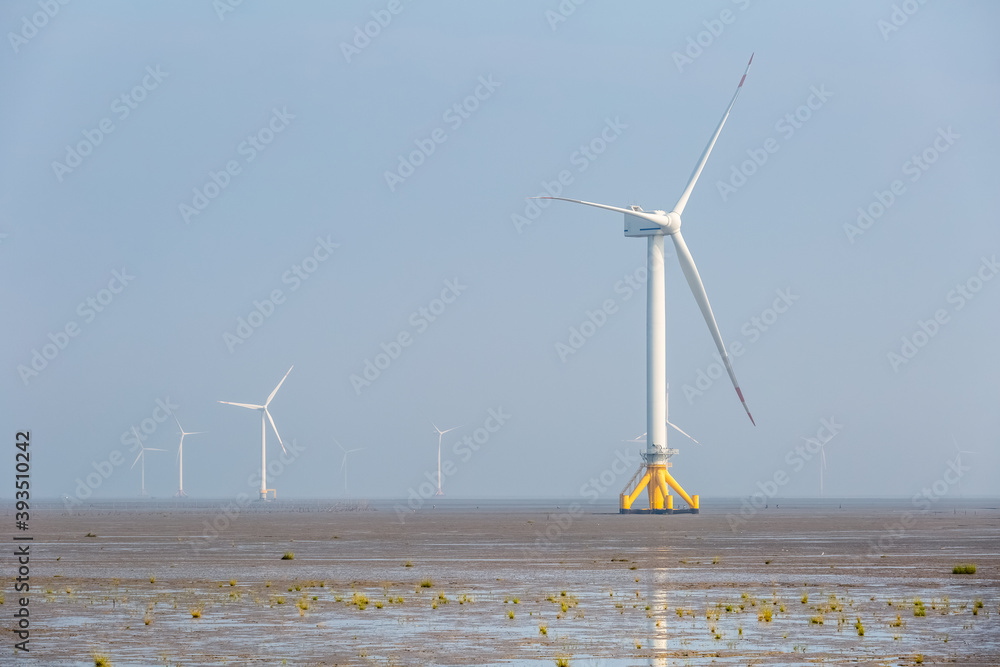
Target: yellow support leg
[
  {"x": 670, "y": 502},
  {"x": 638, "y": 489},
  {"x": 680, "y": 491}
]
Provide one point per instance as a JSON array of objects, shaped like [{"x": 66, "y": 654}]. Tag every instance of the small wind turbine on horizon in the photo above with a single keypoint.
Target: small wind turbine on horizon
[
  {"x": 440, "y": 434},
  {"x": 180, "y": 458},
  {"x": 959, "y": 453},
  {"x": 343, "y": 463},
  {"x": 822, "y": 467},
  {"x": 265, "y": 416},
  {"x": 641, "y": 439},
  {"x": 142, "y": 455}
]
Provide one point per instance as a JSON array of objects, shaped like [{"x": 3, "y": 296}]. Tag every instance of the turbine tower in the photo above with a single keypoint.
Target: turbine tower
[
  {"x": 180, "y": 458},
  {"x": 265, "y": 415},
  {"x": 142, "y": 456},
  {"x": 655, "y": 225},
  {"x": 440, "y": 433}
]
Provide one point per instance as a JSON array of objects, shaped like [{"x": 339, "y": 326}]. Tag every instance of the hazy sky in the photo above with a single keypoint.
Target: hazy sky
[{"x": 169, "y": 168}]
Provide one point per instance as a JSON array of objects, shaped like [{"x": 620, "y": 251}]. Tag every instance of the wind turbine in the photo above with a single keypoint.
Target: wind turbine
[
  {"x": 655, "y": 225},
  {"x": 822, "y": 466},
  {"x": 264, "y": 414},
  {"x": 959, "y": 452},
  {"x": 180, "y": 458},
  {"x": 441, "y": 433},
  {"x": 343, "y": 463},
  {"x": 142, "y": 455}
]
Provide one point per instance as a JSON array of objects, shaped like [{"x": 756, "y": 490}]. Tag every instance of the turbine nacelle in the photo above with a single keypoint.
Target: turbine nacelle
[{"x": 637, "y": 222}]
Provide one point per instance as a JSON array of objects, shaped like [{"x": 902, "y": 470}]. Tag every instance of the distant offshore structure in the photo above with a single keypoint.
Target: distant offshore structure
[
  {"x": 265, "y": 417},
  {"x": 654, "y": 225}
]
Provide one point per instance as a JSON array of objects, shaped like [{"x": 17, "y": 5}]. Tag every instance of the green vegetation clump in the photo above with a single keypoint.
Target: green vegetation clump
[
  {"x": 426, "y": 583},
  {"x": 101, "y": 660},
  {"x": 288, "y": 556},
  {"x": 964, "y": 568}
]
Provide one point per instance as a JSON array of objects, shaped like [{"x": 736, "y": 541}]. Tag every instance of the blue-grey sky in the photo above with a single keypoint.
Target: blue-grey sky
[{"x": 264, "y": 146}]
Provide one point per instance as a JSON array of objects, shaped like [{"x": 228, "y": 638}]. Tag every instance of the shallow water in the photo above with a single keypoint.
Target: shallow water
[{"x": 696, "y": 564}]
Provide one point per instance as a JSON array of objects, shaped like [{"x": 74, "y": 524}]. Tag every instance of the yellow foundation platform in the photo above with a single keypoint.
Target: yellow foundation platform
[{"x": 657, "y": 482}]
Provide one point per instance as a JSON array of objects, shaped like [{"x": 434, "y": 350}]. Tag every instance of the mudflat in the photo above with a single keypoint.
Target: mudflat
[{"x": 527, "y": 583}]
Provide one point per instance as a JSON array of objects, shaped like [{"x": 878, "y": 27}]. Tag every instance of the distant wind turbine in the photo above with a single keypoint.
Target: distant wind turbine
[
  {"x": 441, "y": 433},
  {"x": 264, "y": 414},
  {"x": 180, "y": 458},
  {"x": 959, "y": 452},
  {"x": 822, "y": 466},
  {"x": 343, "y": 463},
  {"x": 142, "y": 457},
  {"x": 641, "y": 439}
]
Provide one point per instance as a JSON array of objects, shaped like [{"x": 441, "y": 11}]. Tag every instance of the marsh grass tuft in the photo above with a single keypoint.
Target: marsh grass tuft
[
  {"x": 408, "y": 564},
  {"x": 426, "y": 583},
  {"x": 101, "y": 660},
  {"x": 232, "y": 582},
  {"x": 543, "y": 630},
  {"x": 964, "y": 568},
  {"x": 195, "y": 612},
  {"x": 288, "y": 556},
  {"x": 510, "y": 614}
]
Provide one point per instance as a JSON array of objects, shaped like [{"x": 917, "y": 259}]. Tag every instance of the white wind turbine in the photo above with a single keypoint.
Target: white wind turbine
[
  {"x": 180, "y": 458},
  {"x": 264, "y": 414},
  {"x": 822, "y": 466},
  {"x": 343, "y": 463},
  {"x": 959, "y": 451},
  {"x": 142, "y": 456},
  {"x": 441, "y": 433},
  {"x": 641, "y": 439},
  {"x": 655, "y": 225}
]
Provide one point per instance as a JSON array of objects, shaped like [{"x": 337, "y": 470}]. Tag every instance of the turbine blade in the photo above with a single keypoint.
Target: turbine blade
[
  {"x": 154, "y": 449},
  {"x": 698, "y": 289},
  {"x": 678, "y": 429},
  {"x": 244, "y": 405},
  {"x": 626, "y": 211},
  {"x": 271, "y": 419},
  {"x": 682, "y": 202},
  {"x": 337, "y": 442},
  {"x": 451, "y": 429},
  {"x": 268, "y": 401},
  {"x": 137, "y": 458}
]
